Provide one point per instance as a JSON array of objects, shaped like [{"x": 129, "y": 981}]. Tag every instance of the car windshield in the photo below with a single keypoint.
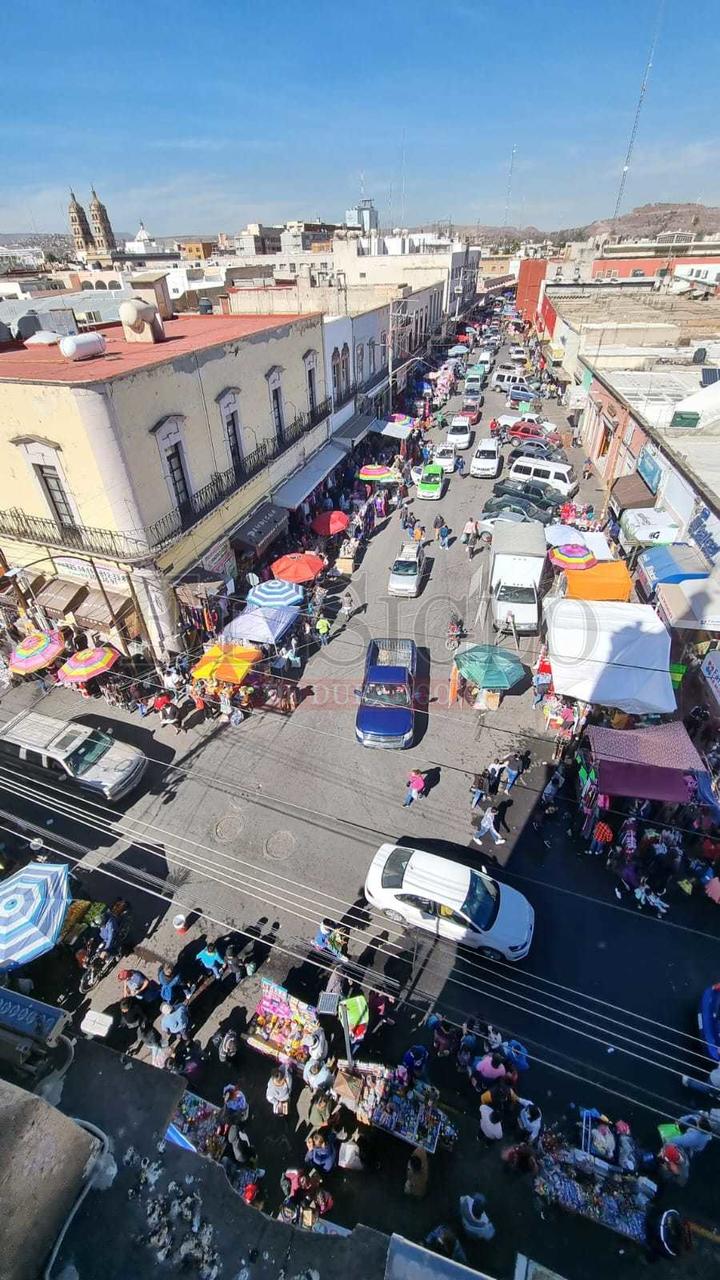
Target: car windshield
[
  {"x": 393, "y": 873},
  {"x": 405, "y": 568},
  {"x": 386, "y": 695},
  {"x": 486, "y": 453},
  {"x": 482, "y": 901},
  {"x": 516, "y": 595},
  {"x": 88, "y": 753},
  {"x": 430, "y": 476}
]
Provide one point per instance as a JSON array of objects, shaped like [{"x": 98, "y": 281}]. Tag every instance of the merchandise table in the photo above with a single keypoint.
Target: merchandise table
[
  {"x": 378, "y": 1098},
  {"x": 282, "y": 1025}
]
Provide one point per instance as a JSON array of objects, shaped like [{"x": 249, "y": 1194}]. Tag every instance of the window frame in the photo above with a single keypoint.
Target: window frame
[{"x": 273, "y": 377}]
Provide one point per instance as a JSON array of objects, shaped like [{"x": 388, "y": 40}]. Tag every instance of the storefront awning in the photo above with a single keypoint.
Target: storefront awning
[
  {"x": 630, "y": 491},
  {"x": 690, "y": 606},
  {"x": 391, "y": 430},
  {"x": 671, "y": 565},
  {"x": 58, "y": 595},
  {"x": 93, "y": 612},
  {"x": 354, "y": 430},
  {"x": 258, "y": 530},
  {"x": 608, "y": 581},
  {"x": 649, "y": 764},
  {"x": 296, "y": 489}
]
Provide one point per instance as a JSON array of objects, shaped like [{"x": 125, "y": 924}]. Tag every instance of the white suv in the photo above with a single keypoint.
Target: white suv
[{"x": 486, "y": 459}]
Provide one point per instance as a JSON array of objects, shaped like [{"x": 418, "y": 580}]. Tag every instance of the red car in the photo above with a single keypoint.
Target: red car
[
  {"x": 531, "y": 431},
  {"x": 472, "y": 416}
]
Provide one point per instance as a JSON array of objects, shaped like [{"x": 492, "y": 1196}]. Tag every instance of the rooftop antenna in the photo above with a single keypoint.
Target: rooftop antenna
[
  {"x": 638, "y": 111},
  {"x": 508, "y": 193}
]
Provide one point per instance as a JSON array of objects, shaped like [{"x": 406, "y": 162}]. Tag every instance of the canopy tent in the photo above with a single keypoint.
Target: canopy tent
[
  {"x": 643, "y": 528},
  {"x": 630, "y": 491},
  {"x": 391, "y": 430},
  {"x": 489, "y": 667},
  {"x": 228, "y": 663},
  {"x": 661, "y": 565},
  {"x": 598, "y": 544},
  {"x": 36, "y": 652},
  {"x": 275, "y": 593},
  {"x": 691, "y": 606},
  {"x": 33, "y": 903},
  {"x": 650, "y": 764},
  {"x": 614, "y": 655},
  {"x": 86, "y": 664},
  {"x": 262, "y": 626},
  {"x": 564, "y": 535},
  {"x": 607, "y": 581}
]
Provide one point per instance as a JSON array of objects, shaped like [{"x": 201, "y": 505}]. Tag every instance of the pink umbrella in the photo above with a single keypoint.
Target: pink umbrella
[
  {"x": 573, "y": 556},
  {"x": 36, "y": 651}
]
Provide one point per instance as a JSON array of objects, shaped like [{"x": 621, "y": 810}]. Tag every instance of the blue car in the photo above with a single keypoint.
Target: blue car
[{"x": 386, "y": 714}]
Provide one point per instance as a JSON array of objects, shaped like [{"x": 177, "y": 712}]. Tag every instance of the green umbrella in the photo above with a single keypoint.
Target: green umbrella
[{"x": 488, "y": 667}]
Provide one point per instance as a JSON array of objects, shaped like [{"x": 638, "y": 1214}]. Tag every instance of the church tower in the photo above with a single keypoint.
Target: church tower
[
  {"x": 80, "y": 228},
  {"x": 102, "y": 231}
]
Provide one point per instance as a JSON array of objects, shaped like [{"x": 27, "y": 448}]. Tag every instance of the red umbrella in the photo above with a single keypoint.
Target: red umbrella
[
  {"x": 330, "y": 522},
  {"x": 300, "y": 566}
]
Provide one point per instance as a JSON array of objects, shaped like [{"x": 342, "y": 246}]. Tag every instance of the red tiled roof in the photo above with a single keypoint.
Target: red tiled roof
[{"x": 183, "y": 335}]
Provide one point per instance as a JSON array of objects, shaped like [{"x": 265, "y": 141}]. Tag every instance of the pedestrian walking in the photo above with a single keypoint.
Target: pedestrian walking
[
  {"x": 494, "y": 773},
  {"x": 468, "y": 530},
  {"x": 487, "y": 827},
  {"x": 322, "y": 626},
  {"x": 417, "y": 1174},
  {"x": 474, "y": 1220},
  {"x": 695, "y": 1134},
  {"x": 602, "y": 838},
  {"x": 134, "y": 1018},
  {"x": 491, "y": 1127},
  {"x": 513, "y": 768},
  {"x": 530, "y": 1120},
  {"x": 415, "y": 788},
  {"x": 279, "y": 1088},
  {"x": 437, "y": 525},
  {"x": 175, "y": 1022},
  {"x": 460, "y": 466},
  {"x": 477, "y": 790},
  {"x": 347, "y": 605},
  {"x": 444, "y": 536},
  {"x": 419, "y": 532},
  {"x": 210, "y": 959},
  {"x": 472, "y": 543}
]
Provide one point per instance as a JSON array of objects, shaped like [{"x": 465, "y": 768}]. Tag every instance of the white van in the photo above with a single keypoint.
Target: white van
[
  {"x": 73, "y": 752},
  {"x": 503, "y": 380},
  {"x": 407, "y": 570},
  {"x": 558, "y": 474},
  {"x": 486, "y": 460}
]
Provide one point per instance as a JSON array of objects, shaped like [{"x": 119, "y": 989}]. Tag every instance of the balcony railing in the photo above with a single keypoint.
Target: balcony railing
[
  {"x": 44, "y": 531},
  {"x": 344, "y": 395}
]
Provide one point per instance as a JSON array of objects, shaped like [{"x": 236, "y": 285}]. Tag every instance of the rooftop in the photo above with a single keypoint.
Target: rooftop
[
  {"x": 183, "y": 335},
  {"x": 695, "y": 319}
]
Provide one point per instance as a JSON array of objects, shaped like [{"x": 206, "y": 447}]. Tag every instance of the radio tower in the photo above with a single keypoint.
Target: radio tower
[
  {"x": 638, "y": 110},
  {"x": 509, "y": 190}
]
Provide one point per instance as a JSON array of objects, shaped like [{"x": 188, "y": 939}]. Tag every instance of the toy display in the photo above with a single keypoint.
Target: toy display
[{"x": 282, "y": 1025}]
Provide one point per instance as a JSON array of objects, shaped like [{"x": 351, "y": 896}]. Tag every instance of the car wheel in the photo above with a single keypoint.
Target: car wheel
[
  {"x": 486, "y": 538},
  {"x": 490, "y": 953},
  {"x": 394, "y": 915}
]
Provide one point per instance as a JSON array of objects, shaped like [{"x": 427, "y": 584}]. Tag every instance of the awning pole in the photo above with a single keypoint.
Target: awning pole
[{"x": 111, "y": 611}]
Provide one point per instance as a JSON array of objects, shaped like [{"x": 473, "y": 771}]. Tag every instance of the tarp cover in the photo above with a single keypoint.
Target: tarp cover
[
  {"x": 693, "y": 605},
  {"x": 650, "y": 764},
  {"x": 672, "y": 564},
  {"x": 262, "y": 626},
  {"x": 607, "y": 581},
  {"x": 630, "y": 491},
  {"x": 614, "y": 655}
]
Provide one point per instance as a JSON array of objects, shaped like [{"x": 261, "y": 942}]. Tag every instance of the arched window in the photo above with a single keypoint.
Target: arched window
[
  {"x": 229, "y": 406},
  {"x": 360, "y": 364},
  {"x": 371, "y": 356},
  {"x": 345, "y": 368},
  {"x": 384, "y": 355},
  {"x": 310, "y": 362},
  {"x": 273, "y": 378},
  {"x": 100, "y": 284},
  {"x": 335, "y": 362}
]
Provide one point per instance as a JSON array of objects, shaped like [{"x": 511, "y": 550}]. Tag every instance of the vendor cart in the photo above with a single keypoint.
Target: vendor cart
[
  {"x": 282, "y": 1025},
  {"x": 378, "y": 1098},
  {"x": 582, "y": 1183},
  {"x": 347, "y": 556},
  {"x": 194, "y": 1127}
]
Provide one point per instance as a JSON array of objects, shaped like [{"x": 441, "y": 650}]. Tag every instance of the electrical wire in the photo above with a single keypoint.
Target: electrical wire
[
  {"x": 253, "y": 888},
  {"x": 413, "y": 1004}
]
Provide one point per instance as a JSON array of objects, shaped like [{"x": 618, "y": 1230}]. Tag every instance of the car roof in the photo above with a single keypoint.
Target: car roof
[
  {"x": 39, "y": 732},
  {"x": 431, "y": 471},
  {"x": 430, "y": 876},
  {"x": 459, "y": 422},
  {"x": 408, "y": 551}
]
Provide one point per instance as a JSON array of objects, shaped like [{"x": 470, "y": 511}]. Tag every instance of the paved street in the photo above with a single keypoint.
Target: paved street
[{"x": 279, "y": 818}]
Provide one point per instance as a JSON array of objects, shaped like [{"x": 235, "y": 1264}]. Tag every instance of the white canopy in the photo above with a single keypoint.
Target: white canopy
[
  {"x": 261, "y": 626},
  {"x": 614, "y": 655},
  {"x": 391, "y": 430},
  {"x": 598, "y": 544}
]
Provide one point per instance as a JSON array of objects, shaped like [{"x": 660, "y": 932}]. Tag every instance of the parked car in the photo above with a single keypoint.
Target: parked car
[
  {"x": 444, "y": 457},
  {"x": 486, "y": 459},
  {"x": 525, "y": 430},
  {"x": 508, "y": 420},
  {"x": 406, "y": 571},
  {"x": 459, "y": 434},
  {"x": 521, "y": 505},
  {"x": 538, "y": 491},
  {"x": 432, "y": 481},
  {"x": 537, "y": 449},
  {"x": 486, "y": 526},
  {"x": 450, "y": 900}
]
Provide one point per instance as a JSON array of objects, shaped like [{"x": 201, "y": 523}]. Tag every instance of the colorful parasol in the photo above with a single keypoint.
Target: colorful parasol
[
  {"x": 401, "y": 419},
  {"x": 330, "y": 522},
  {"x": 33, "y": 903},
  {"x": 275, "y": 594},
  {"x": 36, "y": 651},
  {"x": 299, "y": 566},
  {"x": 374, "y": 474},
  {"x": 572, "y": 556},
  {"x": 87, "y": 663},
  {"x": 489, "y": 667},
  {"x": 228, "y": 663}
]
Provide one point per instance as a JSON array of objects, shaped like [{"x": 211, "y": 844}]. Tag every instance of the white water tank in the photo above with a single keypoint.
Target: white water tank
[
  {"x": 137, "y": 313},
  {"x": 83, "y": 346}
]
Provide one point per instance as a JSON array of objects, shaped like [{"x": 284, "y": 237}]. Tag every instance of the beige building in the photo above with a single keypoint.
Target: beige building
[{"x": 127, "y": 473}]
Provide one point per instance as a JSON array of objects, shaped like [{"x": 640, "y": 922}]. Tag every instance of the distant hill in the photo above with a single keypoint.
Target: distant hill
[{"x": 646, "y": 221}]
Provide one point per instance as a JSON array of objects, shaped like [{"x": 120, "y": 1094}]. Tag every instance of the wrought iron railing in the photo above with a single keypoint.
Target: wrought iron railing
[
  {"x": 344, "y": 395},
  {"x": 121, "y": 546}
]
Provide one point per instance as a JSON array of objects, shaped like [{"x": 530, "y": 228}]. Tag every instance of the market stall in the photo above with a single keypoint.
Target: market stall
[
  {"x": 347, "y": 556},
  {"x": 641, "y": 528},
  {"x": 260, "y": 625},
  {"x": 194, "y": 1127},
  {"x": 693, "y": 605},
  {"x": 668, "y": 566},
  {"x": 648, "y": 764},
  {"x": 609, "y": 580},
  {"x": 282, "y": 1025},
  {"x": 582, "y": 1184},
  {"x": 613, "y": 655},
  {"x": 378, "y": 1097}
]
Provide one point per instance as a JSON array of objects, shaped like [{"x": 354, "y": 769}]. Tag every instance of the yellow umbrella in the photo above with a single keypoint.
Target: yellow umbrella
[{"x": 229, "y": 663}]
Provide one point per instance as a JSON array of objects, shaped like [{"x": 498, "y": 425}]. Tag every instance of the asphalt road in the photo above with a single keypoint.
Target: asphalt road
[{"x": 281, "y": 816}]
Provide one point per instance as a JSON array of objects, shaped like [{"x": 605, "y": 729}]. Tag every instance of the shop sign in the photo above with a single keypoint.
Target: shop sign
[
  {"x": 704, "y": 529},
  {"x": 85, "y": 571},
  {"x": 220, "y": 560},
  {"x": 650, "y": 469},
  {"x": 711, "y": 671}
]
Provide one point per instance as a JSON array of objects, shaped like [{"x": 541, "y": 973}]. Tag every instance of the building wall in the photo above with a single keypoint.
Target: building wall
[
  {"x": 657, "y": 265},
  {"x": 530, "y": 277},
  {"x": 190, "y": 250},
  {"x": 337, "y": 333}
]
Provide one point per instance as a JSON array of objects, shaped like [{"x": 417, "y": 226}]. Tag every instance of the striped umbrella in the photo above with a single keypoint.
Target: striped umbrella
[
  {"x": 401, "y": 419},
  {"x": 574, "y": 556},
  {"x": 36, "y": 651},
  {"x": 33, "y": 903},
  {"x": 299, "y": 566},
  {"x": 275, "y": 594},
  {"x": 330, "y": 522},
  {"x": 87, "y": 663},
  {"x": 378, "y": 475}
]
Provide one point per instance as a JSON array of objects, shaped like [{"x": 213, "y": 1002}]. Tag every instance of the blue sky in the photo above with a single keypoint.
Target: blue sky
[{"x": 197, "y": 117}]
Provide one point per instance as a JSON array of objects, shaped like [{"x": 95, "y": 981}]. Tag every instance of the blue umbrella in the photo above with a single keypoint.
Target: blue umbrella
[
  {"x": 275, "y": 593},
  {"x": 33, "y": 903}
]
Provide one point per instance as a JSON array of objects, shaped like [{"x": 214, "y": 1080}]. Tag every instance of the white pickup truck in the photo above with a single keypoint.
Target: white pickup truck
[{"x": 519, "y": 553}]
